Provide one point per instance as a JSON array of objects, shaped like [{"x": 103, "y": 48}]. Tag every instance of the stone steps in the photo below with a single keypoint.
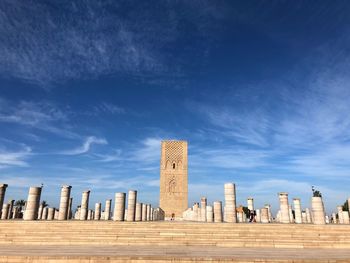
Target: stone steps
[{"x": 173, "y": 234}]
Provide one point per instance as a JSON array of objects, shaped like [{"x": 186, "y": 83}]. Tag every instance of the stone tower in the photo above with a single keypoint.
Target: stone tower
[{"x": 173, "y": 197}]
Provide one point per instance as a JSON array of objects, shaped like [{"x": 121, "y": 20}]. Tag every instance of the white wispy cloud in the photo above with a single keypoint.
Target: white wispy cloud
[
  {"x": 41, "y": 115},
  {"x": 88, "y": 39},
  {"x": 109, "y": 108},
  {"x": 14, "y": 158},
  {"x": 148, "y": 151},
  {"x": 85, "y": 147}
]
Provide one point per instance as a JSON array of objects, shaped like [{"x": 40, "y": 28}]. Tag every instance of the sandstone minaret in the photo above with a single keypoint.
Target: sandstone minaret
[{"x": 173, "y": 197}]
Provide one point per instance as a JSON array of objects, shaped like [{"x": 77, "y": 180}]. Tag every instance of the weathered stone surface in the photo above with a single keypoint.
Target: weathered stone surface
[
  {"x": 230, "y": 203},
  {"x": 132, "y": 196},
  {"x": 32, "y": 207},
  {"x": 218, "y": 212},
  {"x": 297, "y": 211},
  {"x": 173, "y": 198},
  {"x": 284, "y": 208},
  {"x": 119, "y": 207},
  {"x": 2, "y": 196},
  {"x": 64, "y": 202},
  {"x": 318, "y": 215},
  {"x": 84, "y": 205}
]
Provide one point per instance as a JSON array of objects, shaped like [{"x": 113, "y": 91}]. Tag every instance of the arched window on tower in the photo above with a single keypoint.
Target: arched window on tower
[{"x": 174, "y": 165}]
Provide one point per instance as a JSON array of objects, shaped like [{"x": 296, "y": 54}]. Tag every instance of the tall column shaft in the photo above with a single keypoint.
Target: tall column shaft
[
  {"x": 230, "y": 203},
  {"x": 218, "y": 212},
  {"x": 97, "y": 215},
  {"x": 138, "y": 212},
  {"x": 84, "y": 205},
  {"x": 210, "y": 214},
  {"x": 70, "y": 204},
  {"x": 31, "y": 212},
  {"x": 250, "y": 203},
  {"x": 119, "y": 207},
  {"x": 144, "y": 212},
  {"x": 11, "y": 203},
  {"x": 2, "y": 196},
  {"x": 148, "y": 213},
  {"x": 40, "y": 212},
  {"x": 308, "y": 216},
  {"x": 132, "y": 195},
  {"x": 51, "y": 213},
  {"x": 346, "y": 220},
  {"x": 107, "y": 213},
  {"x": 5, "y": 211},
  {"x": 195, "y": 213},
  {"x": 203, "y": 209},
  {"x": 264, "y": 215},
  {"x": 297, "y": 211},
  {"x": 284, "y": 208},
  {"x": 318, "y": 213},
  {"x": 340, "y": 214},
  {"x": 258, "y": 216},
  {"x": 64, "y": 202},
  {"x": 45, "y": 212},
  {"x": 303, "y": 217}
]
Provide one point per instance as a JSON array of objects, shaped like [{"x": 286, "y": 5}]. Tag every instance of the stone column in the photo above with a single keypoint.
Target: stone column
[
  {"x": 11, "y": 203},
  {"x": 203, "y": 209},
  {"x": 284, "y": 208},
  {"x": 132, "y": 196},
  {"x": 97, "y": 211},
  {"x": 5, "y": 211},
  {"x": 218, "y": 212},
  {"x": 210, "y": 214},
  {"x": 318, "y": 214},
  {"x": 258, "y": 216},
  {"x": 149, "y": 208},
  {"x": 138, "y": 212},
  {"x": 230, "y": 203},
  {"x": 2, "y": 196},
  {"x": 303, "y": 217},
  {"x": 107, "y": 213},
  {"x": 151, "y": 215},
  {"x": 269, "y": 212},
  {"x": 84, "y": 205},
  {"x": 64, "y": 202},
  {"x": 240, "y": 217},
  {"x": 291, "y": 217},
  {"x": 31, "y": 212},
  {"x": 334, "y": 218},
  {"x": 346, "y": 219},
  {"x": 40, "y": 212},
  {"x": 264, "y": 215},
  {"x": 297, "y": 211},
  {"x": 340, "y": 214},
  {"x": 250, "y": 203},
  {"x": 119, "y": 207},
  {"x": 45, "y": 212},
  {"x": 89, "y": 215},
  {"x": 56, "y": 214},
  {"x": 51, "y": 213},
  {"x": 144, "y": 212},
  {"x": 308, "y": 215},
  {"x": 195, "y": 213},
  {"x": 70, "y": 204}
]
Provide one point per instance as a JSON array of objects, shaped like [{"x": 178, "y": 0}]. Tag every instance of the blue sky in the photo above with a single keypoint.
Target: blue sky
[{"x": 259, "y": 89}]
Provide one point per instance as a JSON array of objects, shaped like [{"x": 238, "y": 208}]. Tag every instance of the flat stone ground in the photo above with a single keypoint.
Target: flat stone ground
[{"x": 16, "y": 253}]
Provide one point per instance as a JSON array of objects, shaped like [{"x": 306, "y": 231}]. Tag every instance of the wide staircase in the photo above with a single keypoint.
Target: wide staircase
[{"x": 171, "y": 241}]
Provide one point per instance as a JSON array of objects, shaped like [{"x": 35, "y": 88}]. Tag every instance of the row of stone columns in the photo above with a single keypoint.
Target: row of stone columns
[{"x": 34, "y": 210}]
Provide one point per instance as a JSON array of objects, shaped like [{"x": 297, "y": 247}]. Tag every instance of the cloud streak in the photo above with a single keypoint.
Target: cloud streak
[
  {"x": 14, "y": 158},
  {"x": 86, "y": 146}
]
